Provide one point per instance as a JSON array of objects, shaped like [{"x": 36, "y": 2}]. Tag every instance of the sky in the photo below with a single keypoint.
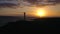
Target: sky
[{"x": 29, "y": 6}]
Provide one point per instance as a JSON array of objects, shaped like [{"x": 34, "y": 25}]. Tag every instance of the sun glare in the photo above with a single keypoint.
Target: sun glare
[{"x": 41, "y": 13}]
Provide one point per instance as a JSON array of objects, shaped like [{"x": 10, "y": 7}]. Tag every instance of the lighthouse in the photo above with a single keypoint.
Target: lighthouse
[{"x": 24, "y": 16}]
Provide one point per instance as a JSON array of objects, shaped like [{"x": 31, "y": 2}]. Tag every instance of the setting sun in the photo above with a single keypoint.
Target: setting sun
[{"x": 41, "y": 13}]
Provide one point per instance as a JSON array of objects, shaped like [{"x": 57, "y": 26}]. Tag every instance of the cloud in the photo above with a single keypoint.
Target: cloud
[
  {"x": 43, "y": 2},
  {"x": 9, "y": 4},
  {"x": 57, "y": 1},
  {"x": 22, "y": 3},
  {"x": 31, "y": 1}
]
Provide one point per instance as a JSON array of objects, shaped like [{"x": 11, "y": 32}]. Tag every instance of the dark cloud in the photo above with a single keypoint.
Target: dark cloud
[
  {"x": 31, "y": 1},
  {"x": 9, "y": 4},
  {"x": 36, "y": 2},
  {"x": 57, "y": 1}
]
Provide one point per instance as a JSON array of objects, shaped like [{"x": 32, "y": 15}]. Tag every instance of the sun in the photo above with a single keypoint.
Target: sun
[{"x": 41, "y": 13}]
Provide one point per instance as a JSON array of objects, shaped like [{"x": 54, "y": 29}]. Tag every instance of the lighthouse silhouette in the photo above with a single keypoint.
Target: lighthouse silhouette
[{"x": 24, "y": 16}]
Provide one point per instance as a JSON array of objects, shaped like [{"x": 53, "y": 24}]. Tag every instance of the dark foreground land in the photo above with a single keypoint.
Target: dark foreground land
[{"x": 38, "y": 25}]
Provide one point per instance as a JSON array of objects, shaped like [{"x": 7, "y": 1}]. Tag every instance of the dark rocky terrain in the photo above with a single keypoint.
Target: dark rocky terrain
[
  {"x": 38, "y": 25},
  {"x": 5, "y": 19}
]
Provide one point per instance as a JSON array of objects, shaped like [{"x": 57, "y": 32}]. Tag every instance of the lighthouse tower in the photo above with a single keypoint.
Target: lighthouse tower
[{"x": 24, "y": 16}]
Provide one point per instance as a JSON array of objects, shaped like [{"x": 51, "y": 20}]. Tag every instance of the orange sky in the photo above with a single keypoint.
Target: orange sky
[{"x": 51, "y": 10}]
